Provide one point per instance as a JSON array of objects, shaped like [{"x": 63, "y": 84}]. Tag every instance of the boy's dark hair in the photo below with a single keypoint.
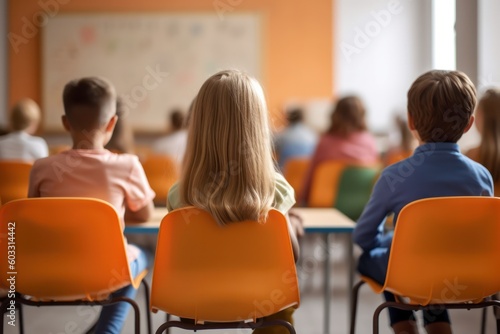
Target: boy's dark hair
[
  {"x": 89, "y": 102},
  {"x": 441, "y": 104},
  {"x": 177, "y": 119},
  {"x": 295, "y": 115}
]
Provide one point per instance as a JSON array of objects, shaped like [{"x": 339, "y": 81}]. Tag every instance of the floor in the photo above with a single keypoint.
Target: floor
[{"x": 308, "y": 318}]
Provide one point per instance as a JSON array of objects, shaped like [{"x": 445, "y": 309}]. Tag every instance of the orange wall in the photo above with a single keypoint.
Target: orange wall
[{"x": 297, "y": 59}]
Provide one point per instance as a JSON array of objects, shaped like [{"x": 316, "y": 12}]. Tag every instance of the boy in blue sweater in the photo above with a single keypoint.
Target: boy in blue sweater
[{"x": 440, "y": 110}]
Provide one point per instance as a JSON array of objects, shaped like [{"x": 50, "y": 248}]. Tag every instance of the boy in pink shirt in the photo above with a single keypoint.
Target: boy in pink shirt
[{"x": 89, "y": 170}]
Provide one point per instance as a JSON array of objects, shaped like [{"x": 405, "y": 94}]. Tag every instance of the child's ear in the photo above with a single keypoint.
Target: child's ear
[
  {"x": 65, "y": 123},
  {"x": 111, "y": 124},
  {"x": 411, "y": 124},
  {"x": 471, "y": 121}
]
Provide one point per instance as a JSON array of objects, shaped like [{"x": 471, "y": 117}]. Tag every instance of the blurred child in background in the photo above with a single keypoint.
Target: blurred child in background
[
  {"x": 488, "y": 125},
  {"x": 347, "y": 140},
  {"x": 20, "y": 144},
  {"x": 296, "y": 140}
]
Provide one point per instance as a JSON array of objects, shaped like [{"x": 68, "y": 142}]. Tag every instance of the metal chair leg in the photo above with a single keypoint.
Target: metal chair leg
[
  {"x": 497, "y": 317},
  {"x": 21, "y": 321},
  {"x": 137, "y": 315},
  {"x": 376, "y": 315},
  {"x": 148, "y": 311},
  {"x": 168, "y": 317},
  {"x": 483, "y": 320},
  {"x": 3, "y": 309},
  {"x": 354, "y": 305}
]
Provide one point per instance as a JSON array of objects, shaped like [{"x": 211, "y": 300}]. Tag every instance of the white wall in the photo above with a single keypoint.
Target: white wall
[
  {"x": 3, "y": 64},
  {"x": 378, "y": 59},
  {"x": 489, "y": 47},
  {"x": 488, "y": 66}
]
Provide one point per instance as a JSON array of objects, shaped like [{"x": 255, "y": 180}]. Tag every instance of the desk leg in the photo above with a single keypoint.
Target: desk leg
[
  {"x": 326, "y": 283},
  {"x": 350, "y": 271}
]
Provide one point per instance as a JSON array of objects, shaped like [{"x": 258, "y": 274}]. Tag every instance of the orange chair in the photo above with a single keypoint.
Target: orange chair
[
  {"x": 14, "y": 180},
  {"x": 324, "y": 184},
  {"x": 395, "y": 156},
  {"x": 444, "y": 252},
  {"x": 295, "y": 171},
  {"x": 64, "y": 251},
  {"x": 162, "y": 173},
  {"x": 223, "y": 275}
]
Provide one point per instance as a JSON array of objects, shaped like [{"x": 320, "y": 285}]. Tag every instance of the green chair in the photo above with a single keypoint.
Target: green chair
[{"x": 354, "y": 190}]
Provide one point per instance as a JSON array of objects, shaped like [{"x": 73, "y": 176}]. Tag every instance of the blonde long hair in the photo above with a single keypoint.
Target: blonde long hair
[
  {"x": 489, "y": 150},
  {"x": 228, "y": 168}
]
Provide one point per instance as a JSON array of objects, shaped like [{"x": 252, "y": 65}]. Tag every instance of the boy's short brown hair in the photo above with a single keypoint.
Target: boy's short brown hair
[
  {"x": 89, "y": 102},
  {"x": 441, "y": 104}
]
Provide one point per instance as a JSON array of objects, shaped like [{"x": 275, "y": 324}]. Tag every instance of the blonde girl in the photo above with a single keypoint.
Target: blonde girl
[{"x": 228, "y": 168}]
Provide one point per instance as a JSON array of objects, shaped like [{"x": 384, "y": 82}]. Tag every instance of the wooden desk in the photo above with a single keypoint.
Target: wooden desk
[{"x": 316, "y": 220}]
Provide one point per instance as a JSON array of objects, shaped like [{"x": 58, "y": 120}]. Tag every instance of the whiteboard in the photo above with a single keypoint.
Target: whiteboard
[{"x": 156, "y": 62}]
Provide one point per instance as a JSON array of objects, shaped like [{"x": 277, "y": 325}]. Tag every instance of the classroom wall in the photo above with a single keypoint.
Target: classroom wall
[
  {"x": 488, "y": 54},
  {"x": 380, "y": 47},
  {"x": 489, "y": 48},
  {"x": 467, "y": 34},
  {"x": 297, "y": 52},
  {"x": 3, "y": 63}
]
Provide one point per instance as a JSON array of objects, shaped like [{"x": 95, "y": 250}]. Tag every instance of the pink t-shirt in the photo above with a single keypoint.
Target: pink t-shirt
[
  {"x": 118, "y": 179},
  {"x": 357, "y": 148}
]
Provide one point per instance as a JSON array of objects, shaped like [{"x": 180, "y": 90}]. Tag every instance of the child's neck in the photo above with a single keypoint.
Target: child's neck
[{"x": 82, "y": 142}]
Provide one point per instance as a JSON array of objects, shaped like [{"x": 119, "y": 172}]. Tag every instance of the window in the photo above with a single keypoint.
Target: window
[{"x": 443, "y": 34}]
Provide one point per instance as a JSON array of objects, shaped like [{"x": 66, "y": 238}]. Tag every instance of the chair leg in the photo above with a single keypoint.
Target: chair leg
[
  {"x": 3, "y": 309},
  {"x": 137, "y": 315},
  {"x": 483, "y": 320},
  {"x": 354, "y": 305},
  {"x": 21, "y": 321},
  {"x": 148, "y": 311},
  {"x": 376, "y": 315},
  {"x": 168, "y": 317},
  {"x": 497, "y": 309}
]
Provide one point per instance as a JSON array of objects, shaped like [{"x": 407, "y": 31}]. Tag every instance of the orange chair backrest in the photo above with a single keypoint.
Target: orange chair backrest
[
  {"x": 65, "y": 248},
  {"x": 396, "y": 156},
  {"x": 162, "y": 172},
  {"x": 295, "y": 171},
  {"x": 446, "y": 250},
  {"x": 203, "y": 271},
  {"x": 14, "y": 180},
  {"x": 324, "y": 184}
]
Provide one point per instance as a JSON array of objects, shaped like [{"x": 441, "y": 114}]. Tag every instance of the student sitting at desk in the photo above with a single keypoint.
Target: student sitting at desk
[
  {"x": 440, "y": 110},
  {"x": 89, "y": 170}
]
